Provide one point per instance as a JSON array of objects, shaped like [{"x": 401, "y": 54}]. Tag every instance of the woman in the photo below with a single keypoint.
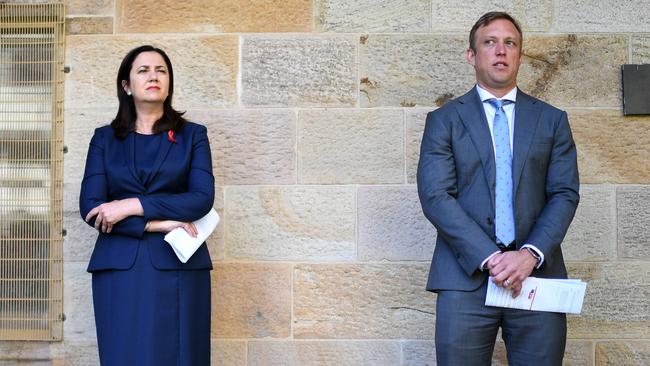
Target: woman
[{"x": 146, "y": 174}]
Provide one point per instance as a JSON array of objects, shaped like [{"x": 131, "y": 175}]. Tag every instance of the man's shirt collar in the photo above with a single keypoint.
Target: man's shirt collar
[{"x": 485, "y": 95}]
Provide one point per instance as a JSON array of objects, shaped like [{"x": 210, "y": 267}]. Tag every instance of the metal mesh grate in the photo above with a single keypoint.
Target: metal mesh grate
[{"x": 31, "y": 170}]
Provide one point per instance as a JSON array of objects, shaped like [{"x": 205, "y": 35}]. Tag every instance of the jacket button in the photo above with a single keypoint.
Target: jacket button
[{"x": 489, "y": 221}]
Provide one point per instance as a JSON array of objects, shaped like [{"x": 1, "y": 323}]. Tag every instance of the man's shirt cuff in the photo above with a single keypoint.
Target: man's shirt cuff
[{"x": 482, "y": 267}]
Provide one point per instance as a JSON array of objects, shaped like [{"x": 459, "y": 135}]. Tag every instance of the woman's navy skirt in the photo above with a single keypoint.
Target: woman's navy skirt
[{"x": 146, "y": 316}]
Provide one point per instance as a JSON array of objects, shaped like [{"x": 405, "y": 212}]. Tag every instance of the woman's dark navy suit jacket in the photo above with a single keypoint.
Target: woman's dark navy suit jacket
[{"x": 181, "y": 187}]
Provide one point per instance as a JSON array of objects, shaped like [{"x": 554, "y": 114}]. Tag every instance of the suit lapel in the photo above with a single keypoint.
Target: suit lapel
[
  {"x": 129, "y": 153},
  {"x": 526, "y": 118},
  {"x": 165, "y": 145},
  {"x": 473, "y": 117}
]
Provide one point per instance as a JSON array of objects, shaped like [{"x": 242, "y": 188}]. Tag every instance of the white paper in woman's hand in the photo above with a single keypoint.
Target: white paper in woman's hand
[{"x": 184, "y": 244}]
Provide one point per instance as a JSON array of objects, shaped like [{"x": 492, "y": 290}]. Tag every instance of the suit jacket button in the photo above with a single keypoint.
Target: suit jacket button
[{"x": 489, "y": 221}]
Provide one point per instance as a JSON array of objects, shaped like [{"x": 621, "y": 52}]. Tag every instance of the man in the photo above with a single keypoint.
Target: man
[{"x": 498, "y": 178}]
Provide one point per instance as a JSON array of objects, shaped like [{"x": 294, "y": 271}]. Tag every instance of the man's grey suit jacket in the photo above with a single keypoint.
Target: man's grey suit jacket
[{"x": 456, "y": 182}]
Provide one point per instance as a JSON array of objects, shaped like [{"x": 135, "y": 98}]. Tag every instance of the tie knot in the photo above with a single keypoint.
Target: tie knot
[{"x": 498, "y": 103}]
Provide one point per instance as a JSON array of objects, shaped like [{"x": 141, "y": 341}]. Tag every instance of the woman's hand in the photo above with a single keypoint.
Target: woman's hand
[
  {"x": 110, "y": 213},
  {"x": 165, "y": 226}
]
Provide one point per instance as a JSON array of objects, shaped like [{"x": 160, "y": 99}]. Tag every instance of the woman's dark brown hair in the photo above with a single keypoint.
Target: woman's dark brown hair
[{"x": 124, "y": 121}]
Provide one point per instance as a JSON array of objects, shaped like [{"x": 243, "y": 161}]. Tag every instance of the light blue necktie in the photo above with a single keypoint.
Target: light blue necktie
[{"x": 505, "y": 220}]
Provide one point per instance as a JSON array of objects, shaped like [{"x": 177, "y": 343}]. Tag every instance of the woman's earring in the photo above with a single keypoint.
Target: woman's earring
[{"x": 128, "y": 93}]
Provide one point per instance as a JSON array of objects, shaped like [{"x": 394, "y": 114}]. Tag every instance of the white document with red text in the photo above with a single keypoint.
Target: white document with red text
[{"x": 540, "y": 294}]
